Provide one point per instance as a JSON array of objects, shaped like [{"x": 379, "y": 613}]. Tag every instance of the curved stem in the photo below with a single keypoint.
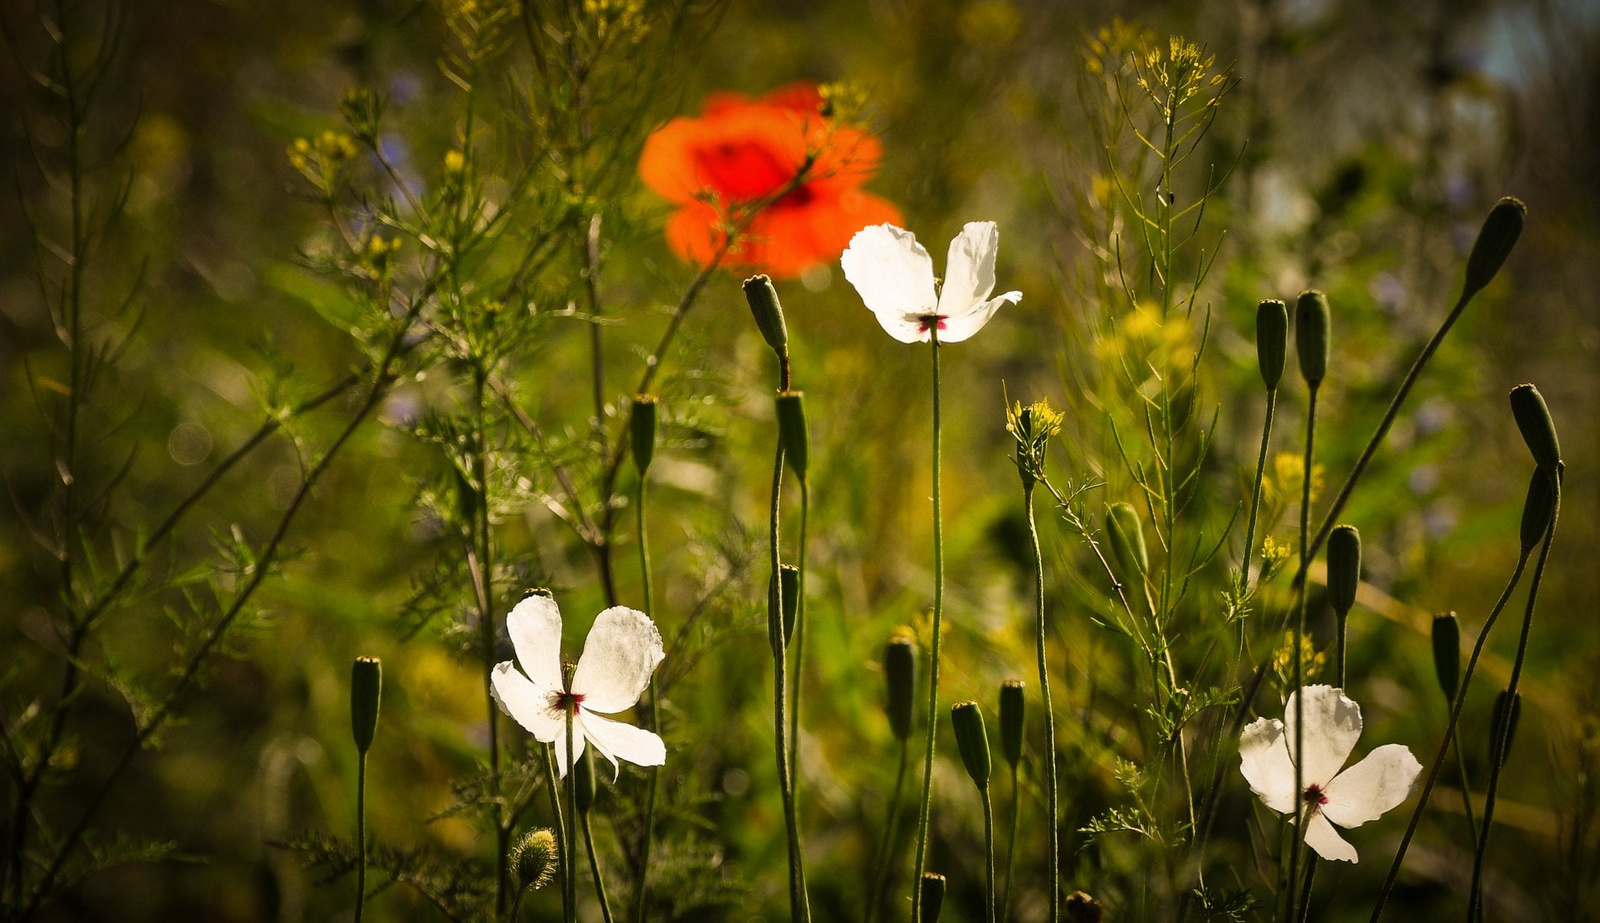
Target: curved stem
[
  {"x": 558, "y": 820},
  {"x": 988, "y": 855},
  {"x": 799, "y": 903},
  {"x": 594, "y": 869},
  {"x": 1011, "y": 847},
  {"x": 570, "y": 857},
  {"x": 880, "y": 865},
  {"x": 655, "y": 719},
  {"x": 361, "y": 834},
  {"x": 1051, "y": 783},
  {"x": 799, "y": 641},
  {"x": 932, "y": 723},
  {"x": 1299, "y": 634}
]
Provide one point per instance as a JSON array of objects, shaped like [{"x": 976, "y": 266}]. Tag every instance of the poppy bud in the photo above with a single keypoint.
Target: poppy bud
[
  {"x": 1447, "y": 653},
  {"x": 1080, "y": 907},
  {"x": 763, "y": 298},
  {"x": 1272, "y": 340},
  {"x": 900, "y": 671},
  {"x": 972, "y": 740},
  {"x": 1344, "y": 567},
  {"x": 1507, "y": 708},
  {"x": 1537, "y": 509},
  {"x": 366, "y": 689},
  {"x": 1125, "y": 533},
  {"x": 1311, "y": 323},
  {"x": 1533, "y": 418},
  {"x": 642, "y": 427},
  {"x": 583, "y": 781},
  {"x": 533, "y": 859},
  {"x": 932, "y": 896},
  {"x": 1013, "y": 711},
  {"x": 1494, "y": 243},
  {"x": 788, "y": 596},
  {"x": 792, "y": 430}
]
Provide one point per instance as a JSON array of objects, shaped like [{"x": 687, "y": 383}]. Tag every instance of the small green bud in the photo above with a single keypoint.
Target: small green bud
[
  {"x": 1013, "y": 715},
  {"x": 1081, "y": 908},
  {"x": 788, "y": 596},
  {"x": 972, "y": 740},
  {"x": 1537, "y": 509},
  {"x": 1507, "y": 709},
  {"x": 933, "y": 885},
  {"x": 1125, "y": 533},
  {"x": 642, "y": 429},
  {"x": 1538, "y": 431},
  {"x": 900, "y": 672},
  {"x": 366, "y": 690},
  {"x": 1499, "y": 234},
  {"x": 792, "y": 430},
  {"x": 1344, "y": 567},
  {"x": 763, "y": 298},
  {"x": 1272, "y": 340},
  {"x": 1311, "y": 322},
  {"x": 534, "y": 858},
  {"x": 583, "y": 782},
  {"x": 1447, "y": 653}
]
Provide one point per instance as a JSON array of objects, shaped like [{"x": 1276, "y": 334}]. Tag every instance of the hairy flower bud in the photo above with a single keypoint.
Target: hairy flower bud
[
  {"x": 366, "y": 690},
  {"x": 1311, "y": 322},
  {"x": 1538, "y": 430},
  {"x": 900, "y": 673},
  {"x": 1495, "y": 240},
  {"x": 1125, "y": 534},
  {"x": 763, "y": 299},
  {"x": 932, "y": 886},
  {"x": 1537, "y": 509},
  {"x": 1507, "y": 709},
  {"x": 642, "y": 429},
  {"x": 1447, "y": 653},
  {"x": 972, "y": 740},
  {"x": 1344, "y": 567},
  {"x": 1013, "y": 714},
  {"x": 1272, "y": 340},
  {"x": 792, "y": 430},
  {"x": 534, "y": 858}
]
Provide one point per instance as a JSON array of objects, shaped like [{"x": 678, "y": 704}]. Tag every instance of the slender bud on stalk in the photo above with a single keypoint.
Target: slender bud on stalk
[
  {"x": 534, "y": 859},
  {"x": 1082, "y": 908},
  {"x": 1013, "y": 712},
  {"x": 1507, "y": 708},
  {"x": 933, "y": 885},
  {"x": 1537, "y": 509},
  {"x": 1272, "y": 340},
  {"x": 1499, "y": 234},
  {"x": 763, "y": 298},
  {"x": 1447, "y": 653},
  {"x": 972, "y": 740},
  {"x": 1125, "y": 533},
  {"x": 1538, "y": 431},
  {"x": 900, "y": 671},
  {"x": 1344, "y": 567},
  {"x": 1311, "y": 322},
  {"x": 642, "y": 429},
  {"x": 366, "y": 689},
  {"x": 789, "y": 596},
  {"x": 792, "y": 430},
  {"x": 583, "y": 778}
]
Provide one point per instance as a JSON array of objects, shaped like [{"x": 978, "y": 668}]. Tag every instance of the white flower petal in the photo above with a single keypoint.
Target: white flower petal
[
  {"x": 1264, "y": 761},
  {"x": 617, "y": 741},
  {"x": 1321, "y": 837},
  {"x": 1371, "y": 787},
  {"x": 526, "y": 702},
  {"x": 969, "y": 270},
  {"x": 894, "y": 276},
  {"x": 1333, "y": 722},
  {"x": 958, "y": 327},
  {"x": 562, "y": 763},
  {"x": 623, "y": 649},
  {"x": 535, "y": 630}
]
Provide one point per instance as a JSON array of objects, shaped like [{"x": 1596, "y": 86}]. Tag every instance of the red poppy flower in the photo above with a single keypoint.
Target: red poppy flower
[{"x": 742, "y": 150}]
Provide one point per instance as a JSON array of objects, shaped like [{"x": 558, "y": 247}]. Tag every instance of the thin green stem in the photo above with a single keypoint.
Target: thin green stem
[
  {"x": 799, "y": 902},
  {"x": 1255, "y": 500},
  {"x": 1305, "y": 891},
  {"x": 480, "y": 563},
  {"x": 558, "y": 821},
  {"x": 881, "y": 864},
  {"x": 988, "y": 855},
  {"x": 1041, "y": 636},
  {"x": 1466, "y": 792},
  {"x": 647, "y": 834},
  {"x": 569, "y": 858},
  {"x": 932, "y": 723},
  {"x": 799, "y": 644},
  {"x": 1011, "y": 847},
  {"x": 594, "y": 869},
  {"x": 1300, "y": 632},
  {"x": 1338, "y": 641},
  {"x": 361, "y": 834}
]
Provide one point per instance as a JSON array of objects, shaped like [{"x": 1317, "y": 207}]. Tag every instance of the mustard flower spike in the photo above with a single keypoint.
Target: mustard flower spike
[
  {"x": 1495, "y": 240},
  {"x": 1311, "y": 322},
  {"x": 366, "y": 690},
  {"x": 1272, "y": 340},
  {"x": 973, "y": 741},
  {"x": 1447, "y": 653},
  {"x": 900, "y": 674},
  {"x": 1344, "y": 567},
  {"x": 763, "y": 298},
  {"x": 1538, "y": 430}
]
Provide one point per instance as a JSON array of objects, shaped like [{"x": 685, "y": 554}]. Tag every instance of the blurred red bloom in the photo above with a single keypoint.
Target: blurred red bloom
[{"x": 741, "y": 150}]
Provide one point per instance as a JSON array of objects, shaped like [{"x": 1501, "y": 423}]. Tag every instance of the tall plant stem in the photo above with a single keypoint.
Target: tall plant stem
[
  {"x": 1040, "y": 641},
  {"x": 988, "y": 854},
  {"x": 932, "y": 724},
  {"x": 799, "y": 902},
  {"x": 1255, "y": 501},
  {"x": 480, "y": 564},
  {"x": 799, "y": 644},
  {"x": 361, "y": 834},
  {"x": 1011, "y": 848},
  {"x": 594, "y": 869},
  {"x": 881, "y": 863},
  {"x": 1299, "y": 640},
  {"x": 569, "y": 858},
  {"x": 655, "y": 718},
  {"x": 558, "y": 821}
]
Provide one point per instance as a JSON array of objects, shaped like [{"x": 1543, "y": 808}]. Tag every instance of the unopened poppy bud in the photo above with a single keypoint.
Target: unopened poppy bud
[
  {"x": 1125, "y": 533},
  {"x": 900, "y": 673},
  {"x": 1499, "y": 234},
  {"x": 792, "y": 430},
  {"x": 1272, "y": 340},
  {"x": 1538, "y": 431},
  {"x": 583, "y": 782},
  {"x": 642, "y": 429},
  {"x": 1013, "y": 712},
  {"x": 1507, "y": 708},
  {"x": 932, "y": 886},
  {"x": 1447, "y": 653},
  {"x": 1080, "y": 907},
  {"x": 763, "y": 298},
  {"x": 1537, "y": 509},
  {"x": 972, "y": 740},
  {"x": 533, "y": 859},
  {"x": 1344, "y": 567},
  {"x": 788, "y": 597},
  {"x": 1311, "y": 322},
  {"x": 366, "y": 689}
]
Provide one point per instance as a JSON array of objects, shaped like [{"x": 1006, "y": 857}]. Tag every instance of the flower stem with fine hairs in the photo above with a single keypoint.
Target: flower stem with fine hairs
[
  {"x": 1049, "y": 720},
  {"x": 799, "y": 902},
  {"x": 553, "y": 786},
  {"x": 932, "y": 723},
  {"x": 1296, "y": 654},
  {"x": 594, "y": 868},
  {"x": 655, "y": 720},
  {"x": 361, "y": 834},
  {"x": 799, "y": 640},
  {"x": 880, "y": 867}
]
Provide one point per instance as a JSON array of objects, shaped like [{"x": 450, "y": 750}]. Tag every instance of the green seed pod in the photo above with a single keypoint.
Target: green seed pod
[
  {"x": 1013, "y": 714},
  {"x": 1344, "y": 567},
  {"x": 1538, "y": 431},
  {"x": 972, "y": 740},
  {"x": 1082, "y": 908},
  {"x": 366, "y": 690},
  {"x": 1537, "y": 509},
  {"x": 900, "y": 672},
  {"x": 1125, "y": 534},
  {"x": 1272, "y": 340},
  {"x": 642, "y": 429},
  {"x": 763, "y": 298},
  {"x": 1447, "y": 653},
  {"x": 1499, "y": 234},
  {"x": 1507, "y": 709},
  {"x": 792, "y": 430},
  {"x": 933, "y": 885},
  {"x": 534, "y": 858},
  {"x": 1311, "y": 322},
  {"x": 583, "y": 781}
]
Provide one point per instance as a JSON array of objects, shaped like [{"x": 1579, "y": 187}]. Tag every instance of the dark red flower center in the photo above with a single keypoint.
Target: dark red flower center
[
  {"x": 927, "y": 321},
  {"x": 568, "y": 703},
  {"x": 1314, "y": 796}
]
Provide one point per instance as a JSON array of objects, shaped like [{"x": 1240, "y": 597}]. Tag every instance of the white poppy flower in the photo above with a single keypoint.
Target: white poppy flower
[
  {"x": 1326, "y": 796},
  {"x": 895, "y": 278},
  {"x": 623, "y": 649}
]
